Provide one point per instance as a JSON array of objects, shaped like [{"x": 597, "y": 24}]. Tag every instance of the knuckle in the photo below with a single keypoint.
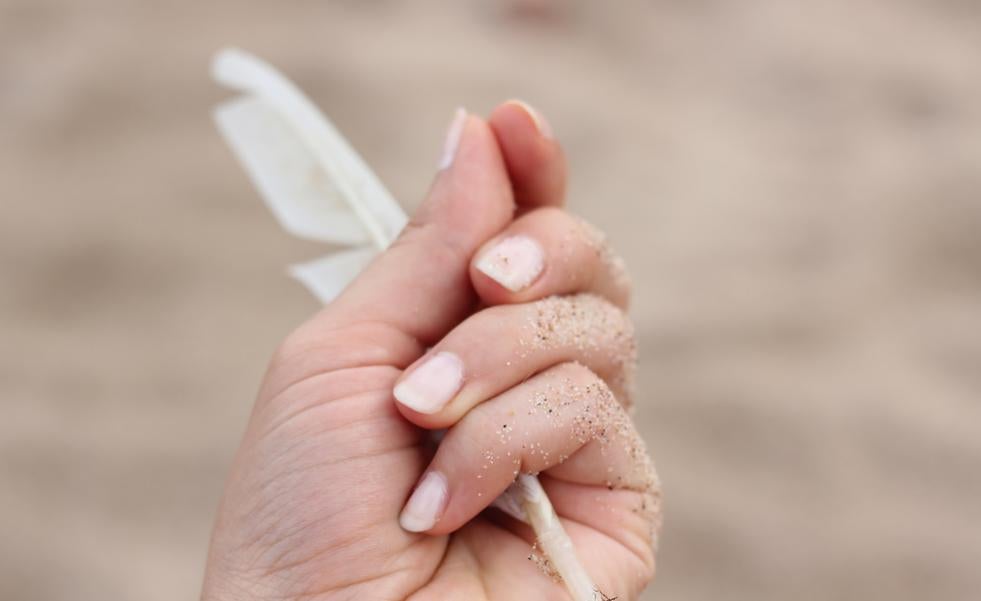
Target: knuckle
[
  {"x": 414, "y": 232},
  {"x": 584, "y": 321},
  {"x": 427, "y": 241},
  {"x": 578, "y": 374},
  {"x": 612, "y": 272},
  {"x": 590, "y": 389}
]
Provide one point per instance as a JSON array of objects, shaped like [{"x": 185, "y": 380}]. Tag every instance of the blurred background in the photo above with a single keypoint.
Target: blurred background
[{"x": 796, "y": 187}]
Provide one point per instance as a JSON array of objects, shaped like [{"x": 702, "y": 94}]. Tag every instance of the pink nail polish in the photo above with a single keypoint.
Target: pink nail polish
[
  {"x": 426, "y": 504},
  {"x": 429, "y": 387},
  {"x": 514, "y": 262},
  {"x": 453, "y": 135}
]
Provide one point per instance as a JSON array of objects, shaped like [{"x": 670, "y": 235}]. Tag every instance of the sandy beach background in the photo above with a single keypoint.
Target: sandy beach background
[{"x": 796, "y": 187}]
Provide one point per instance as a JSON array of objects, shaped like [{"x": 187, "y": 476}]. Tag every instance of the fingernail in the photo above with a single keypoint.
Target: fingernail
[
  {"x": 514, "y": 262},
  {"x": 540, "y": 123},
  {"x": 426, "y": 504},
  {"x": 453, "y": 138},
  {"x": 431, "y": 385}
]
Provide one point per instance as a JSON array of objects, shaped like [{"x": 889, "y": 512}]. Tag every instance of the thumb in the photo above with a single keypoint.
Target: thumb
[{"x": 420, "y": 285}]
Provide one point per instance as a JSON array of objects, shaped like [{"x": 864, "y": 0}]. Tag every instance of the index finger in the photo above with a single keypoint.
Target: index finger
[{"x": 534, "y": 159}]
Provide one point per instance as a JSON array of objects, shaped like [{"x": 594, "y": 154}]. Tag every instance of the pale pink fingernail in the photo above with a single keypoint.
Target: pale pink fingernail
[
  {"x": 452, "y": 138},
  {"x": 540, "y": 123},
  {"x": 426, "y": 504},
  {"x": 513, "y": 262},
  {"x": 431, "y": 385}
]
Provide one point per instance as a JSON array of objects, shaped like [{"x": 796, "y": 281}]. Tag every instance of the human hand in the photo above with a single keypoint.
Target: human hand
[{"x": 529, "y": 365}]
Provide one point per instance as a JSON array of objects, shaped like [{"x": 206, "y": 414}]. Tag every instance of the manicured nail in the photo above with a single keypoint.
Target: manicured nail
[
  {"x": 426, "y": 504},
  {"x": 514, "y": 262},
  {"x": 431, "y": 385},
  {"x": 453, "y": 138},
  {"x": 540, "y": 123}
]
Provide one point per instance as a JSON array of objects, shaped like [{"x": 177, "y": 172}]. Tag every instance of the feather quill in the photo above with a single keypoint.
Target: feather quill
[{"x": 320, "y": 189}]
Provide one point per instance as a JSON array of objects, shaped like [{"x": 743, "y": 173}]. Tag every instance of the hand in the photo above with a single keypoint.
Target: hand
[{"x": 529, "y": 367}]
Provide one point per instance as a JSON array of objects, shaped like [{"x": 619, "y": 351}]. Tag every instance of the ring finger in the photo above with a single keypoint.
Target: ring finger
[{"x": 564, "y": 423}]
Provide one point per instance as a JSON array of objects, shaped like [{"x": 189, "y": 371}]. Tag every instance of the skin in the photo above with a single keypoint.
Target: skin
[{"x": 329, "y": 458}]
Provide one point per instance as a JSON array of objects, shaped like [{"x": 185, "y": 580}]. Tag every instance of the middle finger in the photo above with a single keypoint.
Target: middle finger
[{"x": 502, "y": 346}]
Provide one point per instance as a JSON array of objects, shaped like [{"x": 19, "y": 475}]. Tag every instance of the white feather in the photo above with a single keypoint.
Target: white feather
[
  {"x": 357, "y": 184},
  {"x": 319, "y": 188},
  {"x": 294, "y": 185}
]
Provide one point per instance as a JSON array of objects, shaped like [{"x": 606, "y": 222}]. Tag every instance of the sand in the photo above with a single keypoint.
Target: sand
[{"x": 795, "y": 188}]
